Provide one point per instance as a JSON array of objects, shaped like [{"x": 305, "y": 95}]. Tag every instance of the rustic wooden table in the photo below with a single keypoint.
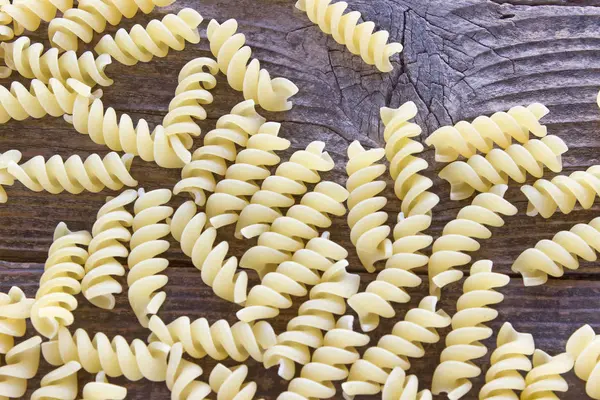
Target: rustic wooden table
[{"x": 462, "y": 58}]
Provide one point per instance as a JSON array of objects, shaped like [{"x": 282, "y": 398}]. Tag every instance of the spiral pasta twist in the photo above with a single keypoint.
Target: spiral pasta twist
[
  {"x": 91, "y": 16},
  {"x": 510, "y": 357},
  {"x": 563, "y": 192},
  {"x": 369, "y": 374},
  {"x": 29, "y": 14},
  {"x": 110, "y": 234},
  {"x": 116, "y": 357},
  {"x": 549, "y": 257},
  {"x": 400, "y": 386},
  {"x": 20, "y": 364},
  {"x": 584, "y": 347},
  {"x": 328, "y": 363},
  {"x": 217, "y": 341},
  {"x": 463, "y": 343},
  {"x": 242, "y": 177},
  {"x": 366, "y": 218},
  {"x": 255, "y": 83},
  {"x": 326, "y": 299},
  {"x": 60, "y": 384},
  {"x": 219, "y": 148},
  {"x": 149, "y": 227},
  {"x": 461, "y": 234},
  {"x": 181, "y": 377},
  {"x": 278, "y": 191},
  {"x": 229, "y": 384},
  {"x": 31, "y": 61},
  {"x": 515, "y": 162},
  {"x": 100, "y": 389},
  {"x": 55, "y": 298},
  {"x": 467, "y": 138},
  {"x": 400, "y": 149},
  {"x": 15, "y": 308},
  {"x": 373, "y": 47},
  {"x": 142, "y": 44},
  {"x": 74, "y": 174},
  {"x": 5, "y": 177},
  {"x": 544, "y": 379}
]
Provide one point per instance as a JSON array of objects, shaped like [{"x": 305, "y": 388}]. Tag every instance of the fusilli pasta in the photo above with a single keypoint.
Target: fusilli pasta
[
  {"x": 147, "y": 243},
  {"x": 401, "y": 387},
  {"x": 110, "y": 235},
  {"x": 59, "y": 384},
  {"x": 228, "y": 383},
  {"x": 255, "y": 83},
  {"x": 100, "y": 389},
  {"x": 6, "y": 178},
  {"x": 510, "y": 357},
  {"x": 20, "y": 364},
  {"x": 181, "y": 377},
  {"x": 460, "y": 236},
  {"x": 15, "y": 308},
  {"x": 373, "y": 47},
  {"x": 28, "y": 14},
  {"x": 55, "y": 298},
  {"x": 549, "y": 257},
  {"x": 544, "y": 379},
  {"x": 463, "y": 343},
  {"x": 583, "y": 346},
  {"x": 467, "y": 138},
  {"x": 369, "y": 231}
]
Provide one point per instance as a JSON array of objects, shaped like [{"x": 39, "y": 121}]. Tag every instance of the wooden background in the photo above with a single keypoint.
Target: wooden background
[{"x": 462, "y": 58}]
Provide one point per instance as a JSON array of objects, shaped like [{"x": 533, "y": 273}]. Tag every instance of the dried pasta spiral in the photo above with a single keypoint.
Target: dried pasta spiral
[
  {"x": 360, "y": 39},
  {"x": 467, "y": 138},
  {"x": 142, "y": 44},
  {"x": 463, "y": 343},
  {"x": 181, "y": 377},
  {"x": 371, "y": 373},
  {"x": 219, "y": 148},
  {"x": 246, "y": 75},
  {"x": 366, "y": 218},
  {"x": 15, "y": 308},
  {"x": 277, "y": 191},
  {"x": 147, "y": 243},
  {"x": 563, "y": 192},
  {"x": 242, "y": 178},
  {"x": 228, "y": 383},
  {"x": 544, "y": 379},
  {"x": 110, "y": 234},
  {"x": 402, "y": 387},
  {"x": 316, "y": 315},
  {"x": 217, "y": 341},
  {"x": 74, "y": 174},
  {"x": 116, "y": 357},
  {"x": 59, "y": 384},
  {"x": 328, "y": 363},
  {"x": 6, "y": 178},
  {"x": 584, "y": 347},
  {"x": 515, "y": 162},
  {"x": 549, "y": 257},
  {"x": 91, "y": 16},
  {"x": 460, "y": 236},
  {"x": 100, "y": 389},
  {"x": 31, "y": 61},
  {"x": 20, "y": 364},
  {"x": 29, "y": 14},
  {"x": 510, "y": 357},
  {"x": 55, "y": 298}
]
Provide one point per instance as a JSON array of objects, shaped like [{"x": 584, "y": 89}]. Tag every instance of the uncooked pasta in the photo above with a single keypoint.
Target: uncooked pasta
[{"x": 15, "y": 309}]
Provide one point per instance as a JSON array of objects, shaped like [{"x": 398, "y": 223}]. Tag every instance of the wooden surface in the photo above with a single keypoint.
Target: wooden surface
[{"x": 461, "y": 59}]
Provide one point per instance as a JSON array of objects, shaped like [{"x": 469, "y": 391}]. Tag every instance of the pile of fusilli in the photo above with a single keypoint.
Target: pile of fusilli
[{"x": 236, "y": 177}]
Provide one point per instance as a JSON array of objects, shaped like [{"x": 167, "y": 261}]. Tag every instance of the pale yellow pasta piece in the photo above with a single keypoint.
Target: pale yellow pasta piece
[
  {"x": 74, "y": 174},
  {"x": 228, "y": 383},
  {"x": 100, "y": 389},
  {"x": 550, "y": 257},
  {"x": 360, "y": 39},
  {"x": 20, "y": 364},
  {"x": 6, "y": 32},
  {"x": 371, "y": 373},
  {"x": 181, "y": 377},
  {"x": 277, "y": 191},
  {"x": 369, "y": 231},
  {"x": 147, "y": 243},
  {"x": 242, "y": 178},
  {"x": 511, "y": 356},
  {"x": 463, "y": 343},
  {"x": 111, "y": 236},
  {"x": 6, "y": 178},
  {"x": 562, "y": 193},
  {"x": 480, "y": 173},
  {"x": 142, "y": 44},
  {"x": 401, "y": 387},
  {"x": 465, "y": 139},
  {"x": 461, "y": 235},
  {"x": 15, "y": 308},
  {"x": 55, "y": 299},
  {"x": 28, "y": 14},
  {"x": 116, "y": 357},
  {"x": 59, "y": 384},
  {"x": 217, "y": 341},
  {"x": 246, "y": 75},
  {"x": 31, "y": 61},
  {"x": 584, "y": 347},
  {"x": 545, "y": 377}
]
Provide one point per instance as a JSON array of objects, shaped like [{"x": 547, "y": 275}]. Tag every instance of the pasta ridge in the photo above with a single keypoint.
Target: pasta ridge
[
  {"x": 59, "y": 384},
  {"x": 583, "y": 346},
  {"x": 545, "y": 377},
  {"x": 5, "y": 177},
  {"x": 181, "y": 377},
  {"x": 101, "y": 389},
  {"x": 21, "y": 363},
  {"x": 15, "y": 308},
  {"x": 400, "y": 386},
  {"x": 29, "y": 14},
  {"x": 228, "y": 383}
]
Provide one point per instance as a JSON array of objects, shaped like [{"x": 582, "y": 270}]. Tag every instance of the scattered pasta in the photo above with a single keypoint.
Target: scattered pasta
[
  {"x": 20, "y": 364},
  {"x": 15, "y": 308},
  {"x": 583, "y": 347},
  {"x": 100, "y": 389},
  {"x": 28, "y": 14},
  {"x": 228, "y": 383},
  {"x": 545, "y": 377},
  {"x": 182, "y": 377},
  {"x": 59, "y": 384}
]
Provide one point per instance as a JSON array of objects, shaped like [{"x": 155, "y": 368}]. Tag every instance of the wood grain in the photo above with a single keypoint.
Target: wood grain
[{"x": 462, "y": 58}]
